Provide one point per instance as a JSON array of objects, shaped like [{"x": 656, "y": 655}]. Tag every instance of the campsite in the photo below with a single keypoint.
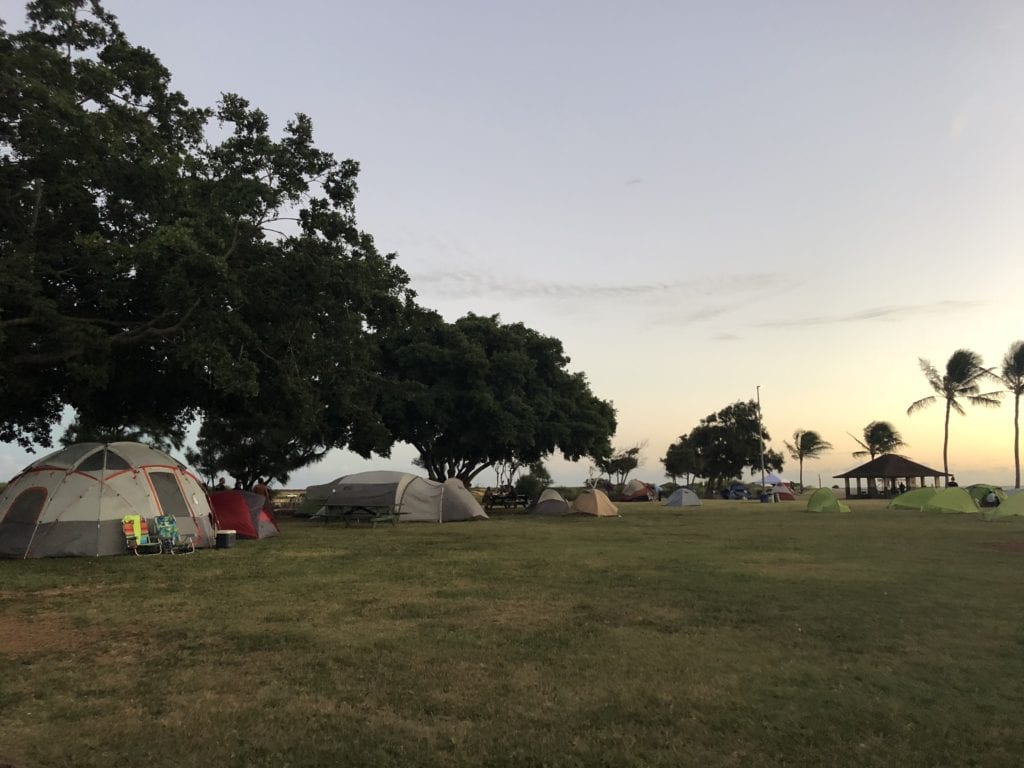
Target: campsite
[{"x": 731, "y": 633}]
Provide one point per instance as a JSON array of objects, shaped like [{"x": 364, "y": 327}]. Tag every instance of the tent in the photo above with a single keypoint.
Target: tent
[
  {"x": 1012, "y": 507},
  {"x": 637, "y": 490},
  {"x": 551, "y": 503},
  {"x": 979, "y": 491},
  {"x": 594, "y": 502},
  {"x": 915, "y": 499},
  {"x": 415, "y": 498},
  {"x": 954, "y": 500},
  {"x": 70, "y": 502},
  {"x": 683, "y": 497},
  {"x": 823, "y": 500},
  {"x": 245, "y": 513},
  {"x": 783, "y": 492},
  {"x": 772, "y": 479}
]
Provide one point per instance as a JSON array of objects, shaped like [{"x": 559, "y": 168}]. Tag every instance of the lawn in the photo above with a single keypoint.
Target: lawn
[{"x": 736, "y": 634}]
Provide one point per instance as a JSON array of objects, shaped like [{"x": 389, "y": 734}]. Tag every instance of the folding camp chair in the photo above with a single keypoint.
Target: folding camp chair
[
  {"x": 171, "y": 540},
  {"x": 136, "y": 536}
]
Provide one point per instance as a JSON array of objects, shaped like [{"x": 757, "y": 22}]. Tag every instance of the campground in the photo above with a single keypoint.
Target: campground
[{"x": 732, "y": 634}]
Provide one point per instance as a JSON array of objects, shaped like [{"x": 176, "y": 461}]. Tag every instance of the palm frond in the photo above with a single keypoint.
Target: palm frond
[
  {"x": 916, "y": 406},
  {"x": 987, "y": 400}
]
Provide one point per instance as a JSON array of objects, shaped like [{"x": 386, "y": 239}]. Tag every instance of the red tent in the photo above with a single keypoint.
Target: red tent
[{"x": 243, "y": 512}]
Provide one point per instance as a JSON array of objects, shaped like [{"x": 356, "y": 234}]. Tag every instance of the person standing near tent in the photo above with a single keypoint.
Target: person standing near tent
[{"x": 260, "y": 487}]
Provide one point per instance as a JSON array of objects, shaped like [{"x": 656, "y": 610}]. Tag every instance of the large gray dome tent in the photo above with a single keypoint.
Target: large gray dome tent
[
  {"x": 71, "y": 501},
  {"x": 683, "y": 497},
  {"x": 415, "y": 498}
]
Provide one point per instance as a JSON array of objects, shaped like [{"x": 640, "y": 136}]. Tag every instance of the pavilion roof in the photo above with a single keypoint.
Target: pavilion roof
[{"x": 892, "y": 465}]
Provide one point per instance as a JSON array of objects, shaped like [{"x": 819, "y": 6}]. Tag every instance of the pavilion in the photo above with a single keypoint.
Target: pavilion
[{"x": 892, "y": 468}]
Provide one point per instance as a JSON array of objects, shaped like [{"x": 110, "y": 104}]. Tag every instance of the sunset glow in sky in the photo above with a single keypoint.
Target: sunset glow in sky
[{"x": 696, "y": 198}]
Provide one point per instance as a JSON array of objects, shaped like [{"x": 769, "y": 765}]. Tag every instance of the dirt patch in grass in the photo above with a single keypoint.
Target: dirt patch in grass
[
  {"x": 42, "y": 632},
  {"x": 1006, "y": 546}
]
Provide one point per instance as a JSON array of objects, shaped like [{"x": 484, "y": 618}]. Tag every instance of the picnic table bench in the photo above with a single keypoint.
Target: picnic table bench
[
  {"x": 506, "y": 500},
  {"x": 351, "y": 515}
]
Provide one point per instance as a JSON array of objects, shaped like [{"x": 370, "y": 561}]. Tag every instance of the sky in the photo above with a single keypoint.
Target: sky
[{"x": 703, "y": 201}]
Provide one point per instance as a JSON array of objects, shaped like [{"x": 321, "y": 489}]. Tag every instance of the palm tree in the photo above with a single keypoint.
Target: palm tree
[
  {"x": 879, "y": 437},
  {"x": 1012, "y": 375},
  {"x": 964, "y": 374},
  {"x": 807, "y": 444}
]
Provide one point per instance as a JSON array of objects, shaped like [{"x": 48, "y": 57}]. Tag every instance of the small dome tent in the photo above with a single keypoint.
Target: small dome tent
[
  {"x": 638, "y": 490},
  {"x": 683, "y": 497},
  {"x": 70, "y": 502},
  {"x": 245, "y": 513},
  {"x": 823, "y": 500},
  {"x": 594, "y": 502},
  {"x": 1012, "y": 507},
  {"x": 415, "y": 498},
  {"x": 551, "y": 503}
]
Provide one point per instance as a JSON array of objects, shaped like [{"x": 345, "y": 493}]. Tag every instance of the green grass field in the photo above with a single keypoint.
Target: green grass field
[{"x": 738, "y": 634}]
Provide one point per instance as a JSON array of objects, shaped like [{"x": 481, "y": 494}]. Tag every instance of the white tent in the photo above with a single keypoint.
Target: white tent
[
  {"x": 551, "y": 503},
  {"x": 415, "y": 498},
  {"x": 683, "y": 497},
  {"x": 71, "y": 502}
]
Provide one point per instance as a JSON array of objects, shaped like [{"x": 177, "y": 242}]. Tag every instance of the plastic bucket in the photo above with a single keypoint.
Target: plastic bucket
[{"x": 225, "y": 539}]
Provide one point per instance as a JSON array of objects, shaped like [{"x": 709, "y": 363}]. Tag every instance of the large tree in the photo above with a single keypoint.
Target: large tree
[
  {"x": 962, "y": 379},
  {"x": 681, "y": 460},
  {"x": 730, "y": 440},
  {"x": 880, "y": 437},
  {"x": 94, "y": 147},
  {"x": 807, "y": 444},
  {"x": 150, "y": 277},
  {"x": 1012, "y": 375},
  {"x": 476, "y": 392}
]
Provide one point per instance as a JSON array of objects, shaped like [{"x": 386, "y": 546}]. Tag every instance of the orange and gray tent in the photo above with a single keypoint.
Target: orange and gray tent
[
  {"x": 71, "y": 502},
  {"x": 551, "y": 503},
  {"x": 245, "y": 513},
  {"x": 415, "y": 498},
  {"x": 594, "y": 502}
]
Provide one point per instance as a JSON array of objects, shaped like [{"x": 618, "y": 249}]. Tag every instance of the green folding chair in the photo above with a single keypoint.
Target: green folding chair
[{"x": 172, "y": 541}]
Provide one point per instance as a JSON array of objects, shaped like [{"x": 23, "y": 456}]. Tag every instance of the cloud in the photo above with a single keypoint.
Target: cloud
[
  {"x": 634, "y": 180},
  {"x": 460, "y": 283},
  {"x": 896, "y": 312},
  {"x": 725, "y": 337}
]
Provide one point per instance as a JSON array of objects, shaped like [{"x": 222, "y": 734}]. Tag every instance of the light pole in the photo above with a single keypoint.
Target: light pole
[{"x": 760, "y": 435}]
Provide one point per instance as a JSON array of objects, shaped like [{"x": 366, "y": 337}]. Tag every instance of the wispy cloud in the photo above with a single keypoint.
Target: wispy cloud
[
  {"x": 466, "y": 283},
  {"x": 894, "y": 312},
  {"x": 634, "y": 180}
]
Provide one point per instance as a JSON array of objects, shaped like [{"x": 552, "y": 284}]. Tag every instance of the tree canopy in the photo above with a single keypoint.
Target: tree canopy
[
  {"x": 476, "y": 392},
  {"x": 962, "y": 379},
  {"x": 880, "y": 437},
  {"x": 729, "y": 441},
  {"x": 150, "y": 276},
  {"x": 807, "y": 444}
]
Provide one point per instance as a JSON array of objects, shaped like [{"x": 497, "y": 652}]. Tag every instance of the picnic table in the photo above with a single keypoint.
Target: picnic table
[
  {"x": 355, "y": 514},
  {"x": 506, "y": 500}
]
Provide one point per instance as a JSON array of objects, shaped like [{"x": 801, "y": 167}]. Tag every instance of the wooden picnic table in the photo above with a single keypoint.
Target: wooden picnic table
[
  {"x": 506, "y": 501},
  {"x": 355, "y": 514}
]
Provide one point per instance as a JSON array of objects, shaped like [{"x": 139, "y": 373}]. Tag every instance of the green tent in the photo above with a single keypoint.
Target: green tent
[
  {"x": 915, "y": 499},
  {"x": 979, "y": 491},
  {"x": 1013, "y": 506},
  {"x": 823, "y": 500},
  {"x": 954, "y": 500}
]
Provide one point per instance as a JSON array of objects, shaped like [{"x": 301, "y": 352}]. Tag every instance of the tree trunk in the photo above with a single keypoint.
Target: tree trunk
[
  {"x": 1016, "y": 439},
  {"x": 945, "y": 444}
]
